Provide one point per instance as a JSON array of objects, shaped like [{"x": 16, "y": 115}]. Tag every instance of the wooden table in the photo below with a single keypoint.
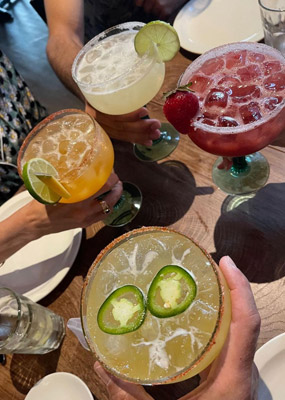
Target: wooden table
[{"x": 177, "y": 192}]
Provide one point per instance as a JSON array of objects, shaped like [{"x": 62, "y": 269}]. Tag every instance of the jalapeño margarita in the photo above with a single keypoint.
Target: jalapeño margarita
[{"x": 162, "y": 342}]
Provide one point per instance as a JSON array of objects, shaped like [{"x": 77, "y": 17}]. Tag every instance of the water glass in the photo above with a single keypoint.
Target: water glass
[
  {"x": 27, "y": 327},
  {"x": 273, "y": 20}
]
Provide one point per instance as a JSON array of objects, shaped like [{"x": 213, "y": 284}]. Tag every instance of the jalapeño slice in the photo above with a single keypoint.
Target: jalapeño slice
[
  {"x": 171, "y": 292},
  {"x": 123, "y": 311}
]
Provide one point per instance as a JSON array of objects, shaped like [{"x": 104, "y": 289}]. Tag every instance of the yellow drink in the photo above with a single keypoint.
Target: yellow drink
[
  {"x": 162, "y": 350},
  {"x": 77, "y": 147},
  {"x": 113, "y": 77}
]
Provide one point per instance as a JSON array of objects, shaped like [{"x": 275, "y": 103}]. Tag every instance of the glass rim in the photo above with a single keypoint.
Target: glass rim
[
  {"x": 100, "y": 37},
  {"x": 44, "y": 122},
  {"x": 277, "y": 10},
  {"x": 88, "y": 279},
  {"x": 240, "y": 128},
  {"x": 17, "y": 298}
]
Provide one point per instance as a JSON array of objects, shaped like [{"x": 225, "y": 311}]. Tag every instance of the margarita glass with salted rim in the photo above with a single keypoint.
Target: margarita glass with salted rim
[
  {"x": 169, "y": 349},
  {"x": 241, "y": 89},
  {"x": 115, "y": 80}
]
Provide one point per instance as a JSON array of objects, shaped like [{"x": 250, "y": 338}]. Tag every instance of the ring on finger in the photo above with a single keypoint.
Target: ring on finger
[{"x": 105, "y": 208}]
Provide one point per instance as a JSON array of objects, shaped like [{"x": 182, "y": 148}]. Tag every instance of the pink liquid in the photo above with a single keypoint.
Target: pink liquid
[{"x": 241, "y": 90}]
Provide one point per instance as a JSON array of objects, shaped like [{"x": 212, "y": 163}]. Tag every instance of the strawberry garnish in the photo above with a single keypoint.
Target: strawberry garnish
[{"x": 180, "y": 107}]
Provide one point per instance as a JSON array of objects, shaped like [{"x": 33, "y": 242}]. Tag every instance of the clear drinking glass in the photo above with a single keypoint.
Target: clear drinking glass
[
  {"x": 273, "y": 20},
  {"x": 241, "y": 90},
  {"x": 115, "y": 80},
  {"x": 27, "y": 327},
  {"x": 168, "y": 349}
]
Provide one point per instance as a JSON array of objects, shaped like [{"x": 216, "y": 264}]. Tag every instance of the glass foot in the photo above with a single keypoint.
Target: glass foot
[
  {"x": 126, "y": 208},
  {"x": 244, "y": 174},
  {"x": 161, "y": 148}
]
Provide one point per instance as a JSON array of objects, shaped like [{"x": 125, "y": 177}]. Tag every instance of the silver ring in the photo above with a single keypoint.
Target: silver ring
[{"x": 105, "y": 208}]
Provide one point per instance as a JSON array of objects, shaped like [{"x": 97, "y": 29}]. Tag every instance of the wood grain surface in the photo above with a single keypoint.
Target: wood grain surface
[{"x": 177, "y": 192}]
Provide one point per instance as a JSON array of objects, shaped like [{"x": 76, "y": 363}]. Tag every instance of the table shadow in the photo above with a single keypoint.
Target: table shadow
[
  {"x": 26, "y": 370},
  {"x": 253, "y": 234},
  {"x": 168, "y": 187}
]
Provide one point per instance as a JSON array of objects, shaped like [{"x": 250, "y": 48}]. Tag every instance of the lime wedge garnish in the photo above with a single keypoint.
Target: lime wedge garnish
[
  {"x": 163, "y": 35},
  {"x": 54, "y": 185},
  {"x": 36, "y": 186}
]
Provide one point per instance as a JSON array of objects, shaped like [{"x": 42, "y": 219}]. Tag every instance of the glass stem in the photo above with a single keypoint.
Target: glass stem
[{"x": 240, "y": 165}]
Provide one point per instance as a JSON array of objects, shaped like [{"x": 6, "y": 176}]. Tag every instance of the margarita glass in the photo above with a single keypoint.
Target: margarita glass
[
  {"x": 115, "y": 80},
  {"x": 82, "y": 154},
  {"x": 241, "y": 89},
  {"x": 168, "y": 349}
]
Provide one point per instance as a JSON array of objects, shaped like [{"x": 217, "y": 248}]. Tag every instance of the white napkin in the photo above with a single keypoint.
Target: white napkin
[{"x": 74, "y": 324}]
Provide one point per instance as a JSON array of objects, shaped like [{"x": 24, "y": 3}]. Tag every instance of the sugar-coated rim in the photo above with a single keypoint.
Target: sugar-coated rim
[
  {"x": 127, "y": 26},
  {"x": 88, "y": 279},
  {"x": 216, "y": 52}
]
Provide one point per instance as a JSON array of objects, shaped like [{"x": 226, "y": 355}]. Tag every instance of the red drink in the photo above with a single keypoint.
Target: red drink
[{"x": 241, "y": 90}]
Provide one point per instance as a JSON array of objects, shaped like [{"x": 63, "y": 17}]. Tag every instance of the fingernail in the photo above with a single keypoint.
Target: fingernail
[
  {"x": 148, "y": 143},
  {"x": 230, "y": 262},
  {"x": 143, "y": 113},
  {"x": 155, "y": 134}
]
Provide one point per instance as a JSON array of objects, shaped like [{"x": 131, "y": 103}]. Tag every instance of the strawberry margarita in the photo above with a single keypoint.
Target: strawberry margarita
[{"x": 241, "y": 90}]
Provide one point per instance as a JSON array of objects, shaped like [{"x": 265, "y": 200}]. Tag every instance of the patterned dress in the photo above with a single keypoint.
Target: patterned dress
[{"x": 19, "y": 113}]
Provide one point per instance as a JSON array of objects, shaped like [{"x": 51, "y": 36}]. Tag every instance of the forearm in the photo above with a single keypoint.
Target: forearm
[
  {"x": 15, "y": 232},
  {"x": 62, "y": 64}
]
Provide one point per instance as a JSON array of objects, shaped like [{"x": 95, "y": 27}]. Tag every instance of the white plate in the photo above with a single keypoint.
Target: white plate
[
  {"x": 37, "y": 268},
  {"x": 205, "y": 24},
  {"x": 270, "y": 361},
  {"x": 60, "y": 385}
]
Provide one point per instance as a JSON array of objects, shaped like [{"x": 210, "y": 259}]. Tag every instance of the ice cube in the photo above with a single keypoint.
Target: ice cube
[
  {"x": 235, "y": 58},
  {"x": 249, "y": 73},
  {"x": 270, "y": 67},
  {"x": 227, "y": 121},
  {"x": 211, "y": 66},
  {"x": 216, "y": 97},
  {"x": 250, "y": 112},
  {"x": 275, "y": 82},
  {"x": 242, "y": 93},
  {"x": 199, "y": 83}
]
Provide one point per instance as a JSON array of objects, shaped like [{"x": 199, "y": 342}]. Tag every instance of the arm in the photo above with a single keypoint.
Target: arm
[
  {"x": 66, "y": 30},
  {"x": 65, "y": 20},
  {"x": 35, "y": 220}
]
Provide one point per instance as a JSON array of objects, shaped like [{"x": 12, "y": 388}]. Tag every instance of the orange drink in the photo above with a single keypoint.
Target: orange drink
[{"x": 77, "y": 147}]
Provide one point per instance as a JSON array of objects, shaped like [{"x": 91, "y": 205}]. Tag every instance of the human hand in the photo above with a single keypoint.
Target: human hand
[
  {"x": 51, "y": 219},
  {"x": 128, "y": 127},
  {"x": 233, "y": 375},
  {"x": 161, "y": 8}
]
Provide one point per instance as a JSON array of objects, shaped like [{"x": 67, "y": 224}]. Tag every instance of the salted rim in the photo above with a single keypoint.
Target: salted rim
[
  {"x": 127, "y": 26},
  {"x": 218, "y": 51},
  {"x": 212, "y": 340}
]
